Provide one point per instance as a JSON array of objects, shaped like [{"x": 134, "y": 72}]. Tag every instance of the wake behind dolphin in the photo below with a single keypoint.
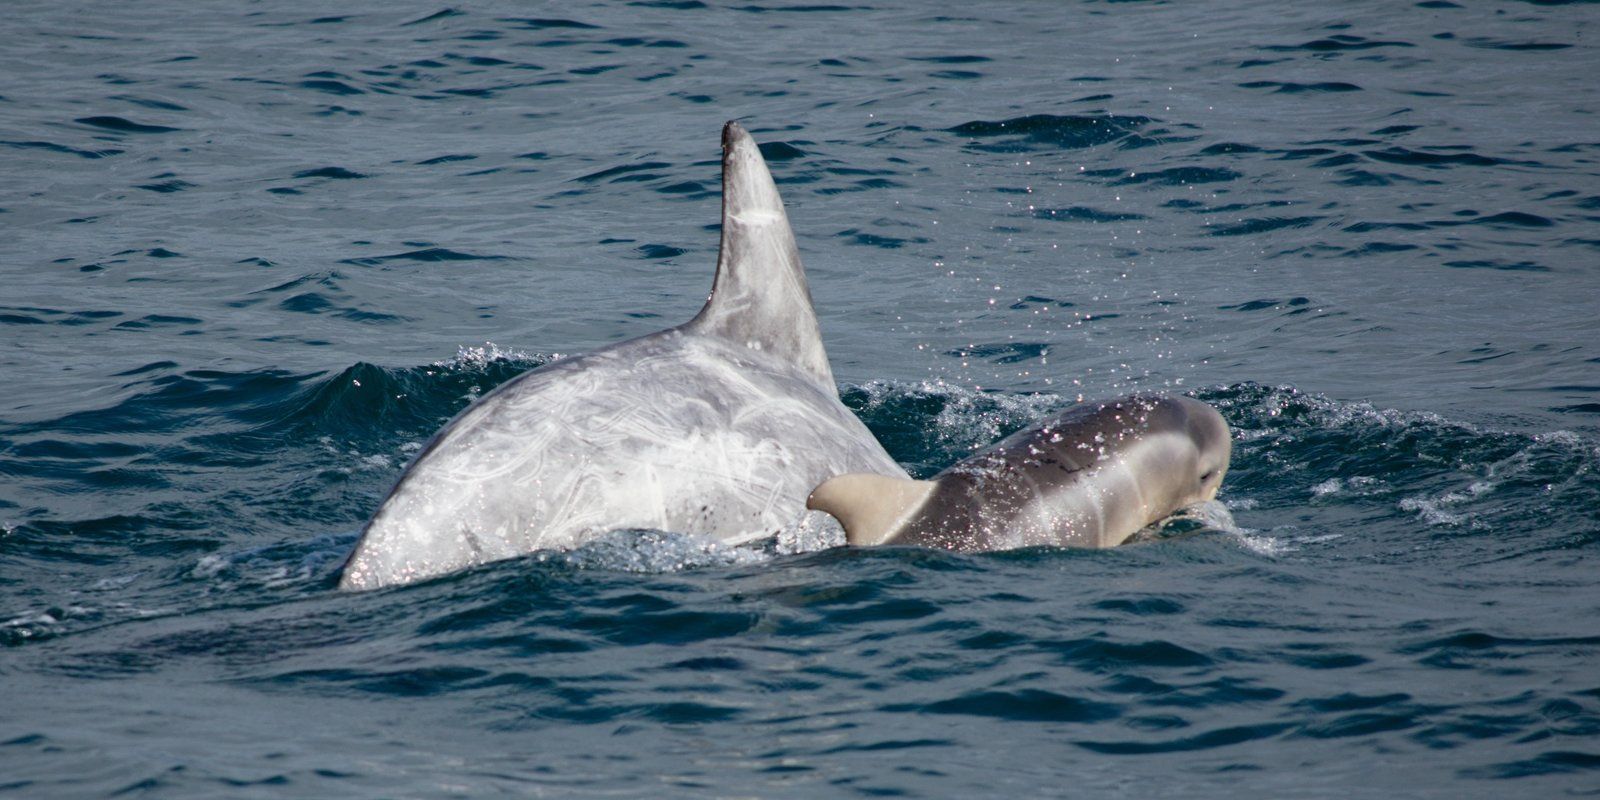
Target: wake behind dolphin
[
  {"x": 1089, "y": 477},
  {"x": 720, "y": 426}
]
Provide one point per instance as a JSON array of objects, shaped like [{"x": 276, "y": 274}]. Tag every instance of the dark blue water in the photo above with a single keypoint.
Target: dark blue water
[{"x": 251, "y": 256}]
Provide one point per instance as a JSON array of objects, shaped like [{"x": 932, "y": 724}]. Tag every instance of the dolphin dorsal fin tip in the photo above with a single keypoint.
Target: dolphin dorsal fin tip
[{"x": 760, "y": 297}]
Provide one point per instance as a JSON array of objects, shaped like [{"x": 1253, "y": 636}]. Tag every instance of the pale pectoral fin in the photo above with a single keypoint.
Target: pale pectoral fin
[{"x": 872, "y": 508}]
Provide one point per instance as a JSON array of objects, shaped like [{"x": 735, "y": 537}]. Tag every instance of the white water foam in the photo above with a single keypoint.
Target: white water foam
[
  {"x": 969, "y": 419},
  {"x": 653, "y": 552},
  {"x": 273, "y": 566},
  {"x": 482, "y": 356},
  {"x": 814, "y": 531}
]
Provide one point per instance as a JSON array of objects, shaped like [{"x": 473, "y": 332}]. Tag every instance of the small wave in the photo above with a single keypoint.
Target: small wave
[
  {"x": 1266, "y": 304},
  {"x": 333, "y": 87},
  {"x": 1211, "y": 514},
  {"x": 1085, "y": 214},
  {"x": 1248, "y": 227},
  {"x": 1290, "y": 87},
  {"x": 857, "y": 237},
  {"x": 1506, "y": 265},
  {"x": 43, "y": 624},
  {"x": 122, "y": 125},
  {"x": 961, "y": 419},
  {"x": 1338, "y": 43},
  {"x": 797, "y": 9},
  {"x": 1442, "y": 473},
  {"x": 318, "y": 303},
  {"x": 1037, "y": 131},
  {"x": 30, "y": 315},
  {"x": 951, "y": 59},
  {"x": 335, "y": 173},
  {"x": 659, "y": 251},
  {"x": 545, "y": 23},
  {"x": 300, "y": 562},
  {"x": 626, "y": 173},
  {"x": 1501, "y": 44},
  {"x": 1004, "y": 352},
  {"x": 165, "y": 187},
  {"x": 425, "y": 255},
  {"x": 1206, "y": 517},
  {"x": 61, "y": 148},
  {"x": 434, "y": 17},
  {"x": 1431, "y": 160},
  {"x": 1208, "y": 740},
  {"x": 1337, "y": 486},
  {"x": 1378, "y": 249},
  {"x": 1514, "y": 219},
  {"x": 1178, "y": 176},
  {"x": 780, "y": 151},
  {"x": 1035, "y": 705}
]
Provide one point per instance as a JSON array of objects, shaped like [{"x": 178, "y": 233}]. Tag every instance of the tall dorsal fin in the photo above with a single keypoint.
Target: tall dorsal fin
[
  {"x": 760, "y": 298},
  {"x": 872, "y": 508}
]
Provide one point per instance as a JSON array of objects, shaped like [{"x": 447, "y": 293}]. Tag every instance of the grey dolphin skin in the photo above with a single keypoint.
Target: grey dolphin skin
[
  {"x": 720, "y": 426},
  {"x": 1088, "y": 477}
]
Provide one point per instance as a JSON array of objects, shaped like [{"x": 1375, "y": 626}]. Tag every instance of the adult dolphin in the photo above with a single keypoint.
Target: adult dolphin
[
  {"x": 1088, "y": 477},
  {"x": 720, "y": 426}
]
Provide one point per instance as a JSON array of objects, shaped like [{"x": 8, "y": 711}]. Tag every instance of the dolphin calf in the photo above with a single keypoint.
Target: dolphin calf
[
  {"x": 1088, "y": 477},
  {"x": 720, "y": 426}
]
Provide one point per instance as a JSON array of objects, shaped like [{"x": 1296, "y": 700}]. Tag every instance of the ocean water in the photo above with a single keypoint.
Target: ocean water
[{"x": 252, "y": 255}]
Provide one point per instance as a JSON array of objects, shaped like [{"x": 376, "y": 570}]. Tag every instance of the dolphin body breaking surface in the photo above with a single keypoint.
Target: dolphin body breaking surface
[
  {"x": 1089, "y": 477},
  {"x": 720, "y": 426}
]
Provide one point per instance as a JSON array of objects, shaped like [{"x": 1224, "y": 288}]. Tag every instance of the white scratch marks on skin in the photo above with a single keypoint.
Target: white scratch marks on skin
[
  {"x": 650, "y": 434},
  {"x": 753, "y": 218}
]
